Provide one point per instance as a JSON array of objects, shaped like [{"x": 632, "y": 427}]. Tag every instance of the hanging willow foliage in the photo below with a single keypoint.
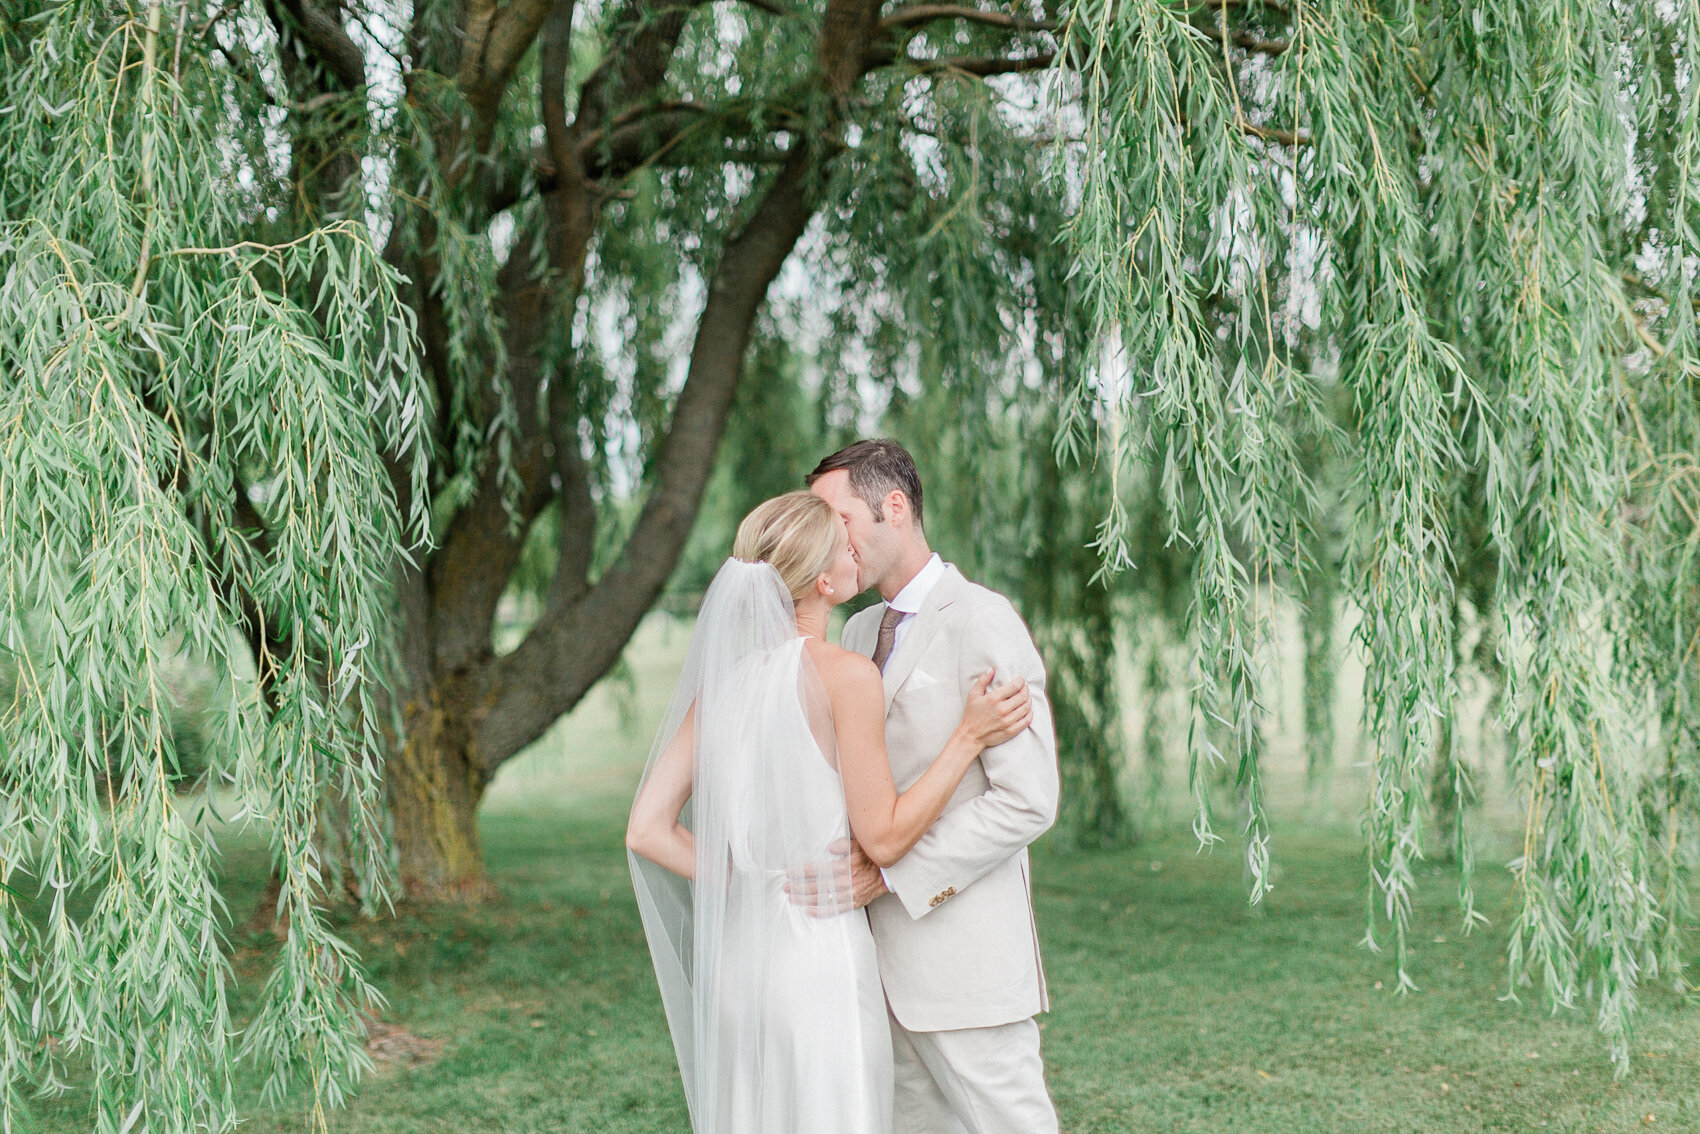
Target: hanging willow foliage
[
  {"x": 160, "y": 373},
  {"x": 219, "y": 396},
  {"x": 1437, "y": 259},
  {"x": 1477, "y": 220}
]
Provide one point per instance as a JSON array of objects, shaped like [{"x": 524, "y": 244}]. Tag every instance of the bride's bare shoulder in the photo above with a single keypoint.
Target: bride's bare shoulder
[{"x": 842, "y": 669}]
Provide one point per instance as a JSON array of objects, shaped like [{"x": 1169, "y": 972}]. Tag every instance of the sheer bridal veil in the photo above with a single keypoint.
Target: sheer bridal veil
[{"x": 767, "y": 1014}]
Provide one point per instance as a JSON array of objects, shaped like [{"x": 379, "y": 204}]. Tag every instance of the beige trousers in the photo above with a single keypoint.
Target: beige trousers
[{"x": 972, "y": 1081}]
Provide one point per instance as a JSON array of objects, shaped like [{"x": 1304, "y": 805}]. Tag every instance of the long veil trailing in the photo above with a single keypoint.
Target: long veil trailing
[{"x": 776, "y": 1015}]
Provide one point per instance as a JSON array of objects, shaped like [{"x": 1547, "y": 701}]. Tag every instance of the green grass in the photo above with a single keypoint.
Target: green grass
[{"x": 1177, "y": 1007}]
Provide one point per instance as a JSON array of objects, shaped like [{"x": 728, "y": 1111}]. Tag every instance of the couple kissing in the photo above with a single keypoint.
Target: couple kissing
[{"x": 829, "y": 843}]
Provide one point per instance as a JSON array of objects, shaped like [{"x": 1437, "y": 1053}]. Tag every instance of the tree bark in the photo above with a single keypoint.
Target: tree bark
[{"x": 435, "y": 784}]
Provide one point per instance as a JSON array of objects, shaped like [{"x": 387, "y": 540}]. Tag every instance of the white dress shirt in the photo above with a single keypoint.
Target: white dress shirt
[{"x": 913, "y": 596}]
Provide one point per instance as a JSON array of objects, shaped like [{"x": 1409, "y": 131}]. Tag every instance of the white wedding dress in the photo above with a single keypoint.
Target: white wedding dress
[{"x": 777, "y": 1016}]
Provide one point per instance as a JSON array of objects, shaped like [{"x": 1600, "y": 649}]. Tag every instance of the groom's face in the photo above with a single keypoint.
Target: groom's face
[{"x": 874, "y": 543}]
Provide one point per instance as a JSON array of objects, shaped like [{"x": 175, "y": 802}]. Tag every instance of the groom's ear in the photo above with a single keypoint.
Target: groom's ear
[{"x": 897, "y": 504}]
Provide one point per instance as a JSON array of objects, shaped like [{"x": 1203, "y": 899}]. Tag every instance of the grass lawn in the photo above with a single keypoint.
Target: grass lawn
[{"x": 1177, "y": 1007}]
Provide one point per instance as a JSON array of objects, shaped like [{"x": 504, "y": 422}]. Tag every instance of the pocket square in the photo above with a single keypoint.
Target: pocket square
[{"x": 920, "y": 679}]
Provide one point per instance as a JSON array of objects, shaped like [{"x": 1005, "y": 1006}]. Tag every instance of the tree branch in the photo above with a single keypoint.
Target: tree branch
[
  {"x": 581, "y": 632},
  {"x": 265, "y": 640},
  {"x": 639, "y": 50},
  {"x": 324, "y": 37},
  {"x": 575, "y": 641},
  {"x": 1289, "y": 138},
  {"x": 918, "y": 14},
  {"x": 478, "y": 553},
  {"x": 482, "y": 546},
  {"x": 317, "y": 59},
  {"x": 475, "y": 559},
  {"x": 1267, "y": 5},
  {"x": 497, "y": 39},
  {"x": 985, "y": 67},
  {"x": 1652, "y": 291},
  {"x": 554, "y": 60},
  {"x": 1242, "y": 38},
  {"x": 641, "y": 137},
  {"x": 637, "y": 138},
  {"x": 849, "y": 31},
  {"x": 1261, "y": 46},
  {"x": 576, "y": 539}
]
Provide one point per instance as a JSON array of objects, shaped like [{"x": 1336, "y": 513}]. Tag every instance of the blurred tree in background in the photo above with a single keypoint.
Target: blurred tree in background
[{"x": 327, "y": 327}]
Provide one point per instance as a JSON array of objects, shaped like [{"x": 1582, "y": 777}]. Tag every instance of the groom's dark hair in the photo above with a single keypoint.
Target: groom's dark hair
[{"x": 877, "y": 466}]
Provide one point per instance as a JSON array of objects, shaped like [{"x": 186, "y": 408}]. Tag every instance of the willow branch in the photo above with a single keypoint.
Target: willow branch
[
  {"x": 554, "y": 60},
  {"x": 982, "y": 66},
  {"x": 581, "y": 633},
  {"x": 325, "y": 36},
  {"x": 1290, "y": 138},
  {"x": 918, "y": 14},
  {"x": 1652, "y": 291},
  {"x": 1267, "y": 5},
  {"x": 1261, "y": 46},
  {"x": 496, "y": 42},
  {"x": 1648, "y": 339},
  {"x": 150, "y": 48},
  {"x": 639, "y": 51}
]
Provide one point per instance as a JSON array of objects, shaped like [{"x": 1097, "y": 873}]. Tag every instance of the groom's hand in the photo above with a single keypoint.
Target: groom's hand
[
  {"x": 867, "y": 883},
  {"x": 848, "y": 881},
  {"x": 822, "y": 889}
]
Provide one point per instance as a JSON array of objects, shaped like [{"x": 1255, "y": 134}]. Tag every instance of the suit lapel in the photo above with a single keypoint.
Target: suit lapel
[
  {"x": 903, "y": 659},
  {"x": 856, "y": 638}
]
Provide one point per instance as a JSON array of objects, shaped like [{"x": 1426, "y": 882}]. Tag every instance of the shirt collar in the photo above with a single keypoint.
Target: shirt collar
[{"x": 914, "y": 595}]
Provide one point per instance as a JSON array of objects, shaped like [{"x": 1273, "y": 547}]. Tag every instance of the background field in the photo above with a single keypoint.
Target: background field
[{"x": 1177, "y": 1007}]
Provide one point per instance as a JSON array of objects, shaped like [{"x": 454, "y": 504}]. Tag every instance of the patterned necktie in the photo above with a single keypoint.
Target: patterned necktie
[{"x": 888, "y": 635}]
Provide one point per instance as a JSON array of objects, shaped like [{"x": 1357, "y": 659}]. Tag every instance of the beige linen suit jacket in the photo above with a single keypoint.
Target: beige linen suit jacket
[{"x": 956, "y": 939}]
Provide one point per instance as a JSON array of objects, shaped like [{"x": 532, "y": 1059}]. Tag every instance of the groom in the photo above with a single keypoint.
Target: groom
[{"x": 953, "y": 919}]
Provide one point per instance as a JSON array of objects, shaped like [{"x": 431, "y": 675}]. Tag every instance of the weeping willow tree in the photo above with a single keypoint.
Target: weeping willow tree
[
  {"x": 1475, "y": 222},
  {"x": 325, "y": 327}
]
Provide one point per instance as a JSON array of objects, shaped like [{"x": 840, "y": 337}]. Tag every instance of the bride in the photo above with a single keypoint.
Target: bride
[{"x": 770, "y": 759}]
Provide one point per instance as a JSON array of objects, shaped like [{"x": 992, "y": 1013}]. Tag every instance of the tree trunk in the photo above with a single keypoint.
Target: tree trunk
[
  {"x": 434, "y": 786},
  {"x": 467, "y": 710}
]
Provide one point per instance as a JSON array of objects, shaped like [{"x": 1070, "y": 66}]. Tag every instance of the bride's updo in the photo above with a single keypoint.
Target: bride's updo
[{"x": 797, "y": 534}]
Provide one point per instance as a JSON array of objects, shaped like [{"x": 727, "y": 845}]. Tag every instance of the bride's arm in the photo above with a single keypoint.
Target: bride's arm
[
  {"x": 654, "y": 830},
  {"x": 885, "y": 823}
]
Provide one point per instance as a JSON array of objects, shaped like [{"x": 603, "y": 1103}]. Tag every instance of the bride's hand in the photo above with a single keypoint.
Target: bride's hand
[{"x": 993, "y": 716}]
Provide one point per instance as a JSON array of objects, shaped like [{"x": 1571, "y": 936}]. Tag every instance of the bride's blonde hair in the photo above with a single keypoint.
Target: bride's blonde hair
[{"x": 797, "y": 533}]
